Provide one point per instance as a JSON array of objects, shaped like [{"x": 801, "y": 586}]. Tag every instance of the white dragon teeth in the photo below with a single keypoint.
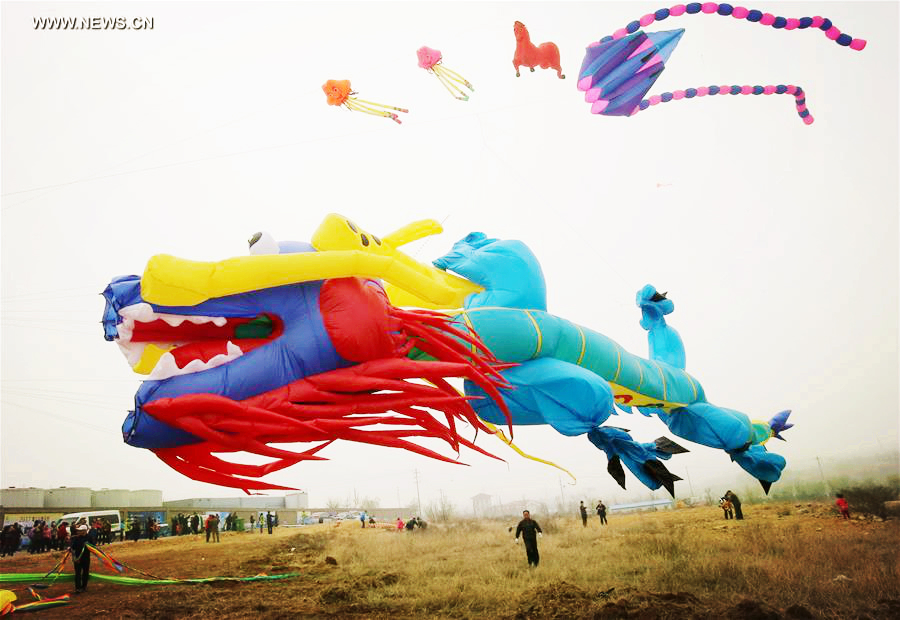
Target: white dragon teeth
[
  {"x": 143, "y": 313},
  {"x": 166, "y": 366},
  {"x": 131, "y": 350}
]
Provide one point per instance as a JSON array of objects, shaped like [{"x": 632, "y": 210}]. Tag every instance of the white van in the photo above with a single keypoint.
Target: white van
[{"x": 113, "y": 516}]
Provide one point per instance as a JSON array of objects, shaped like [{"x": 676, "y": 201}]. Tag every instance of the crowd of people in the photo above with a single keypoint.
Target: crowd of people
[{"x": 53, "y": 536}]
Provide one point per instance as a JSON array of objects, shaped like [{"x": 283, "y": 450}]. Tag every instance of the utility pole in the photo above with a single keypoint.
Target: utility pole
[
  {"x": 690, "y": 486},
  {"x": 827, "y": 487},
  {"x": 418, "y": 497},
  {"x": 562, "y": 496}
]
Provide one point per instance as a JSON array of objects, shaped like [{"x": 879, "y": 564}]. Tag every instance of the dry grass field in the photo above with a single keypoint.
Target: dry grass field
[{"x": 782, "y": 561}]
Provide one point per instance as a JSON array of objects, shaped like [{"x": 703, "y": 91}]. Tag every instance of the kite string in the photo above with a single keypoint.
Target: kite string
[{"x": 738, "y": 12}]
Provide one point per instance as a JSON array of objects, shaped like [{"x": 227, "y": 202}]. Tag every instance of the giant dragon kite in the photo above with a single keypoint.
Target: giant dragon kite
[
  {"x": 330, "y": 340},
  {"x": 619, "y": 69}
]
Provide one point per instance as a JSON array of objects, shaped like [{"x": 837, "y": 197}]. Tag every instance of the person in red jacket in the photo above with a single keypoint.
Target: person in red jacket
[{"x": 843, "y": 506}]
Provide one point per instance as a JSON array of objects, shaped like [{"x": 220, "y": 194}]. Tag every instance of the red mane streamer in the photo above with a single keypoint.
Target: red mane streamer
[{"x": 376, "y": 402}]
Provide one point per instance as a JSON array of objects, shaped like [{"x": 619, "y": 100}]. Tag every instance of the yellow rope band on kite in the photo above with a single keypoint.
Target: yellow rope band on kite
[
  {"x": 618, "y": 363},
  {"x": 583, "y": 345},
  {"x": 537, "y": 331},
  {"x": 499, "y": 433},
  {"x": 662, "y": 377}
]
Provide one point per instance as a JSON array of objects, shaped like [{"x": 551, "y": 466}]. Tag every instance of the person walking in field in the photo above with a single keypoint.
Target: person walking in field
[
  {"x": 214, "y": 527},
  {"x": 842, "y": 505},
  {"x": 530, "y": 530},
  {"x": 270, "y": 521},
  {"x": 583, "y": 510},
  {"x": 601, "y": 512}
]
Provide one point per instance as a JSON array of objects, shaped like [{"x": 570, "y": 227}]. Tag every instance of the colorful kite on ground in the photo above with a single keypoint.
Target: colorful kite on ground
[
  {"x": 618, "y": 70},
  {"x": 338, "y": 92},
  {"x": 430, "y": 60},
  {"x": 302, "y": 342},
  {"x": 545, "y": 55}
]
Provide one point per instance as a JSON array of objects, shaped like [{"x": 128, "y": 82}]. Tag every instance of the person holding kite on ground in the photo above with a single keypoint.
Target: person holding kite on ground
[
  {"x": 735, "y": 503},
  {"x": 81, "y": 557},
  {"x": 530, "y": 530}
]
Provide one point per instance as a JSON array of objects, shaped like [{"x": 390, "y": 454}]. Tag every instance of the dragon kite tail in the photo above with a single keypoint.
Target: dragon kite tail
[{"x": 619, "y": 69}]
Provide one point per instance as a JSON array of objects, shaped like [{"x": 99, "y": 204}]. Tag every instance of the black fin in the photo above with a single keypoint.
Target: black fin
[
  {"x": 659, "y": 296},
  {"x": 657, "y": 471},
  {"x": 766, "y": 486},
  {"x": 615, "y": 470},
  {"x": 664, "y": 444}
]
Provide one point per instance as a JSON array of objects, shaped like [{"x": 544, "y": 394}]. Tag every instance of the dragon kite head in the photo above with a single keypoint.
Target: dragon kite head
[{"x": 297, "y": 342}]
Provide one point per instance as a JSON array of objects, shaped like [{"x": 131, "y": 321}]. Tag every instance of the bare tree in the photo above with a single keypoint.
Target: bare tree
[{"x": 440, "y": 510}]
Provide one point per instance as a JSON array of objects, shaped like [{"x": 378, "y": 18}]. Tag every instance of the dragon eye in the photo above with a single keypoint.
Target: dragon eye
[
  {"x": 365, "y": 240},
  {"x": 263, "y": 243}
]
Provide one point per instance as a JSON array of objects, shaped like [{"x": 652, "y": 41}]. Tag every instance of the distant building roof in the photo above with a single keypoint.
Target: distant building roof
[{"x": 648, "y": 504}]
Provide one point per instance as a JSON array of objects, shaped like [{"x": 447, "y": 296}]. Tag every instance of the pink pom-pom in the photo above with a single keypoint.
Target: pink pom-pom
[
  {"x": 647, "y": 19},
  {"x": 833, "y": 33},
  {"x": 791, "y": 89},
  {"x": 792, "y": 23},
  {"x": 724, "y": 89},
  {"x": 808, "y": 119},
  {"x": 709, "y": 7},
  {"x": 678, "y": 94},
  {"x": 677, "y": 10},
  {"x": 654, "y": 99},
  {"x": 746, "y": 89},
  {"x": 618, "y": 34},
  {"x": 428, "y": 57},
  {"x": 857, "y": 44},
  {"x": 702, "y": 91},
  {"x": 767, "y": 19},
  {"x": 768, "y": 90},
  {"x": 817, "y": 21},
  {"x": 801, "y": 107},
  {"x": 740, "y": 12}
]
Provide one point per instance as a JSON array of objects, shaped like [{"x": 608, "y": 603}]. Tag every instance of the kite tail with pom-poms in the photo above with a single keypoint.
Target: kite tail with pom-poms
[{"x": 738, "y": 12}]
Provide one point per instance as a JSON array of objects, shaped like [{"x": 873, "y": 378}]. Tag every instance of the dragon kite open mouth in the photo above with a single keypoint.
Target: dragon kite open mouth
[{"x": 164, "y": 345}]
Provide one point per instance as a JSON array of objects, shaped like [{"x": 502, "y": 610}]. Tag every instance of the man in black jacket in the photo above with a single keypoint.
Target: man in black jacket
[
  {"x": 81, "y": 557},
  {"x": 530, "y": 530},
  {"x": 735, "y": 503}
]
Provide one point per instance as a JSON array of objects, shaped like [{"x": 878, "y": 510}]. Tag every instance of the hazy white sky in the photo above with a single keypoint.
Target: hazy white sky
[{"x": 777, "y": 241}]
